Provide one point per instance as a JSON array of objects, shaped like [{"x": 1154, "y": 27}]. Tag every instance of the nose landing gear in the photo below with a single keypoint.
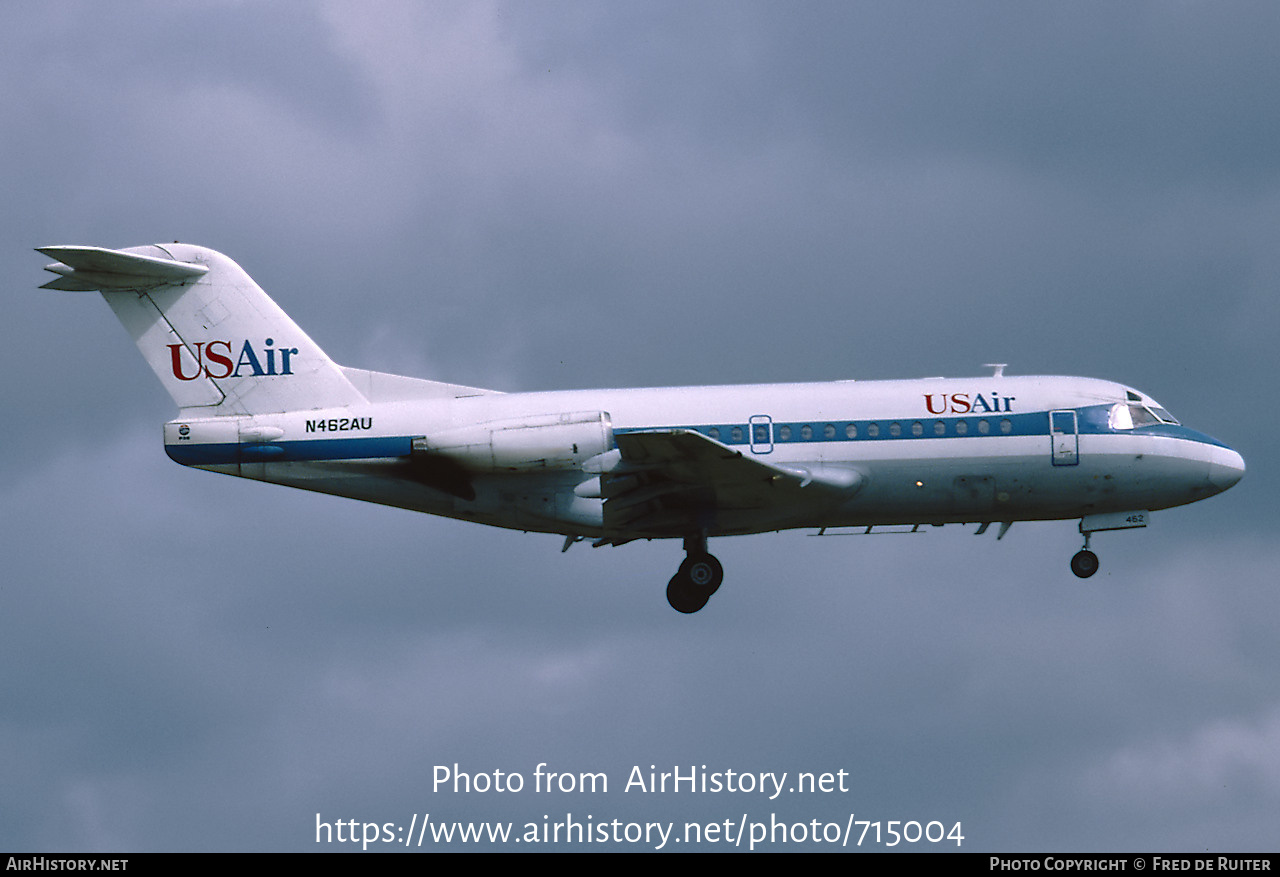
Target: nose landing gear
[
  {"x": 1085, "y": 562},
  {"x": 697, "y": 579}
]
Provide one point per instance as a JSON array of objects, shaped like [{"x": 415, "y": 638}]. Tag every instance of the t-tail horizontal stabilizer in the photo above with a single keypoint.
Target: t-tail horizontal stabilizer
[{"x": 84, "y": 269}]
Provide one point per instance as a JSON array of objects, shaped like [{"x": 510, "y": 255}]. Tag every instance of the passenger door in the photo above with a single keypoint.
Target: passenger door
[{"x": 1064, "y": 438}]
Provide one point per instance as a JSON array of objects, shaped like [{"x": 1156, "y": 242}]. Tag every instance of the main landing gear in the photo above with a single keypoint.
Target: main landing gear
[
  {"x": 1084, "y": 563},
  {"x": 697, "y": 579}
]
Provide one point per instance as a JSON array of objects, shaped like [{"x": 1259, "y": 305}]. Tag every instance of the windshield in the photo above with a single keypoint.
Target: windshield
[{"x": 1134, "y": 415}]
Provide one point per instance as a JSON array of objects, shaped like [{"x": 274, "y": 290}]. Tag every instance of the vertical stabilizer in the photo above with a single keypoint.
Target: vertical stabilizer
[{"x": 212, "y": 336}]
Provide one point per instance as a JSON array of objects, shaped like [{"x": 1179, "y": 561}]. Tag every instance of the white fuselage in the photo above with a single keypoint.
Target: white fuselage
[{"x": 926, "y": 451}]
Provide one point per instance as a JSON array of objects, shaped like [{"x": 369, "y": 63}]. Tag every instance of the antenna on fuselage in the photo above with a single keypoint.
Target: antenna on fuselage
[{"x": 998, "y": 366}]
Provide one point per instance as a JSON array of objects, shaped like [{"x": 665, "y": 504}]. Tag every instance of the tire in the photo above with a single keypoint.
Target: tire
[
  {"x": 683, "y": 597},
  {"x": 1084, "y": 564},
  {"x": 703, "y": 573}
]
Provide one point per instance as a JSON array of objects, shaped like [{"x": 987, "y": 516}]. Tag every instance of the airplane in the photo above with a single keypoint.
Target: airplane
[{"x": 259, "y": 399}]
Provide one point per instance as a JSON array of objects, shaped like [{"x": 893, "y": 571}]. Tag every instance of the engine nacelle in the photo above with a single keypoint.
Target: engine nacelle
[{"x": 547, "y": 441}]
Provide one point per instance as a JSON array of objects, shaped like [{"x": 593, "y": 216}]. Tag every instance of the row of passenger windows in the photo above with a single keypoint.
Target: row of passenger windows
[{"x": 829, "y": 432}]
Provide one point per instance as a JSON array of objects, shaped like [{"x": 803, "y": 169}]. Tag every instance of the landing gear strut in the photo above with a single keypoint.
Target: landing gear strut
[
  {"x": 1085, "y": 562},
  {"x": 697, "y": 579}
]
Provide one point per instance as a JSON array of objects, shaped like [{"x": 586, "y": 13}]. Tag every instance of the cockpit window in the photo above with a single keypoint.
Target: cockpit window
[{"x": 1134, "y": 415}]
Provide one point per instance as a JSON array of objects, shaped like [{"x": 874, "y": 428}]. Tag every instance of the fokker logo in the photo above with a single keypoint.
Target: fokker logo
[{"x": 213, "y": 360}]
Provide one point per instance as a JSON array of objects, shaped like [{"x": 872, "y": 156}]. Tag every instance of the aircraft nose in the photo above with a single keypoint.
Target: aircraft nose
[{"x": 1226, "y": 467}]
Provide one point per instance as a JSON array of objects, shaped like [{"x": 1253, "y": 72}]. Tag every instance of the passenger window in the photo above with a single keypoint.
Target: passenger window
[
  {"x": 939, "y": 427},
  {"x": 851, "y": 431},
  {"x": 737, "y": 433},
  {"x": 917, "y": 428},
  {"x": 962, "y": 427},
  {"x": 829, "y": 431},
  {"x": 984, "y": 427},
  {"x": 784, "y": 433},
  {"x": 895, "y": 429},
  {"x": 873, "y": 430},
  {"x": 762, "y": 434},
  {"x": 714, "y": 432},
  {"x": 806, "y": 432},
  {"x": 1006, "y": 425}
]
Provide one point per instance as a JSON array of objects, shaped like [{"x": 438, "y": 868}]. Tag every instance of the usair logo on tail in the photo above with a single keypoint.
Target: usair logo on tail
[{"x": 213, "y": 360}]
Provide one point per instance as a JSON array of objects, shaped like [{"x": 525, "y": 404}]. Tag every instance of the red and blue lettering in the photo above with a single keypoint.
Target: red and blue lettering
[
  {"x": 967, "y": 403},
  {"x": 213, "y": 359}
]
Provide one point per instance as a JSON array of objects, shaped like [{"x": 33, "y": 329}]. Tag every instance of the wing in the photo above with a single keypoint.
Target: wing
[{"x": 673, "y": 482}]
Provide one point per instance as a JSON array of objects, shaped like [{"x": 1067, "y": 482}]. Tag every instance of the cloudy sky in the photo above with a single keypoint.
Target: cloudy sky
[{"x": 539, "y": 196}]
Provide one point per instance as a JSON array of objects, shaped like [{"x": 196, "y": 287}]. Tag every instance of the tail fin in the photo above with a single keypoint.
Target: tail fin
[{"x": 213, "y": 337}]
